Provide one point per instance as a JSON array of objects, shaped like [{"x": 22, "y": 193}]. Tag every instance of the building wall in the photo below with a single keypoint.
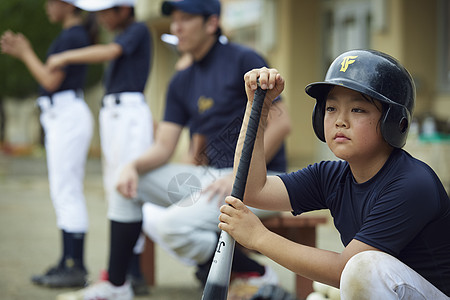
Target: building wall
[
  {"x": 420, "y": 47},
  {"x": 411, "y": 35},
  {"x": 298, "y": 57}
]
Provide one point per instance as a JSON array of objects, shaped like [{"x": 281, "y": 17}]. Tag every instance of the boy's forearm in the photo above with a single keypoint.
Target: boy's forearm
[
  {"x": 152, "y": 159},
  {"x": 50, "y": 81},
  {"x": 166, "y": 140},
  {"x": 92, "y": 54},
  {"x": 313, "y": 263},
  {"x": 35, "y": 66}
]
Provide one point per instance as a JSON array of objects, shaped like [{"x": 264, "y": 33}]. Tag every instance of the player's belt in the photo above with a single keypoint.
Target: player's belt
[
  {"x": 59, "y": 98},
  {"x": 126, "y": 98}
]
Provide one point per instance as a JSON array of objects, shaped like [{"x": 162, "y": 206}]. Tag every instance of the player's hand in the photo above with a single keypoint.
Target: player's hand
[
  {"x": 56, "y": 61},
  {"x": 6, "y": 42},
  {"x": 128, "y": 181},
  {"x": 269, "y": 79},
  {"x": 219, "y": 189},
  {"x": 15, "y": 44},
  {"x": 241, "y": 223}
]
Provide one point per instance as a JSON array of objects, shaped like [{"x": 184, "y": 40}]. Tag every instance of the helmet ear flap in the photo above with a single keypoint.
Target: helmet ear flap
[
  {"x": 395, "y": 126},
  {"x": 317, "y": 120}
]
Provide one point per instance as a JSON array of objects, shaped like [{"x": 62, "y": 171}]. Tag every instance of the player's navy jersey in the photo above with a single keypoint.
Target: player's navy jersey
[
  {"x": 70, "y": 38},
  {"x": 129, "y": 72},
  {"x": 403, "y": 210},
  {"x": 209, "y": 97}
]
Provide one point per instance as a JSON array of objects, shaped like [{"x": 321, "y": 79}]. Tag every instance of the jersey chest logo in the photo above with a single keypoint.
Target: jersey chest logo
[{"x": 204, "y": 104}]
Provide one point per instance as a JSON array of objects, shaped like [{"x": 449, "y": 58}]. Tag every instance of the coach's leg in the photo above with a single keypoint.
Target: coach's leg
[
  {"x": 190, "y": 231},
  {"x": 189, "y": 227},
  {"x": 152, "y": 216},
  {"x": 162, "y": 188},
  {"x": 377, "y": 275}
]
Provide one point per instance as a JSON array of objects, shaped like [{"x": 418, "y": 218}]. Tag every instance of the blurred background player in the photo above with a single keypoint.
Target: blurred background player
[
  {"x": 126, "y": 126},
  {"x": 207, "y": 97},
  {"x": 68, "y": 127}
]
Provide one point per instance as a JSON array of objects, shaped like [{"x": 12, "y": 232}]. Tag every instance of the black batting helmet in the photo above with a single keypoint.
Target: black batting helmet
[{"x": 377, "y": 75}]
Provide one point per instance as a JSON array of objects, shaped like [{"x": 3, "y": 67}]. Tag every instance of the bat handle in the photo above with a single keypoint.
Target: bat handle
[{"x": 216, "y": 287}]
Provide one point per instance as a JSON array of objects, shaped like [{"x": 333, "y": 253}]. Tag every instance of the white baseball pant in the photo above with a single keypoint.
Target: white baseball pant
[
  {"x": 126, "y": 131},
  {"x": 376, "y": 275},
  {"x": 68, "y": 126}
]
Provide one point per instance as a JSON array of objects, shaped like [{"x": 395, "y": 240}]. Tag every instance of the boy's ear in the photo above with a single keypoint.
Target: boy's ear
[{"x": 212, "y": 24}]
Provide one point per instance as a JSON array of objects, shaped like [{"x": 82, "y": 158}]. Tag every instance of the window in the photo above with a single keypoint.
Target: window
[
  {"x": 346, "y": 26},
  {"x": 250, "y": 22}
]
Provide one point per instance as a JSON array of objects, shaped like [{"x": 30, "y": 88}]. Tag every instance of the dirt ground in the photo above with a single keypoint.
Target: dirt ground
[{"x": 30, "y": 242}]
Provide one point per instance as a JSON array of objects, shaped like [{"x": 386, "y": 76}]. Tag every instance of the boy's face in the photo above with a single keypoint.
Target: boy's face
[
  {"x": 352, "y": 125},
  {"x": 56, "y": 10},
  {"x": 191, "y": 30},
  {"x": 113, "y": 18}
]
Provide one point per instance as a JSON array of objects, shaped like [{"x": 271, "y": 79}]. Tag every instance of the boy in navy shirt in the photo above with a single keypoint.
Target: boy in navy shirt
[{"x": 390, "y": 209}]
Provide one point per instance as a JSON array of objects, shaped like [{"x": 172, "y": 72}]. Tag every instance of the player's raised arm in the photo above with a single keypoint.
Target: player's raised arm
[
  {"x": 257, "y": 193},
  {"x": 18, "y": 46},
  {"x": 91, "y": 54}
]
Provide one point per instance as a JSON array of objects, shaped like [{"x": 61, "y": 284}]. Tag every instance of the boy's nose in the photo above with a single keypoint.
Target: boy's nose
[{"x": 340, "y": 121}]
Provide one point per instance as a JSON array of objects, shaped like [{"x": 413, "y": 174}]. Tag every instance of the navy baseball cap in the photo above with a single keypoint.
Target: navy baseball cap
[{"x": 195, "y": 7}]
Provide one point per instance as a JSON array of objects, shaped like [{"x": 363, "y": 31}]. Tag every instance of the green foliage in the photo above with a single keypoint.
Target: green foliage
[{"x": 28, "y": 17}]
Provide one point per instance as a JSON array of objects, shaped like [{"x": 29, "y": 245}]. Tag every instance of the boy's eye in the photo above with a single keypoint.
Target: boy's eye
[{"x": 358, "y": 110}]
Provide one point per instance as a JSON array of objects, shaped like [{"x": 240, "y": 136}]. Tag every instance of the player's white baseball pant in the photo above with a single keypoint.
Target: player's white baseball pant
[
  {"x": 68, "y": 126},
  {"x": 126, "y": 131},
  {"x": 377, "y": 275},
  {"x": 188, "y": 224}
]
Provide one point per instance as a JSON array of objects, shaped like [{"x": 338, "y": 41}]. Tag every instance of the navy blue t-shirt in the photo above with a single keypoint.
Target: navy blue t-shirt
[
  {"x": 403, "y": 210},
  {"x": 209, "y": 97},
  {"x": 129, "y": 72},
  {"x": 70, "y": 38}
]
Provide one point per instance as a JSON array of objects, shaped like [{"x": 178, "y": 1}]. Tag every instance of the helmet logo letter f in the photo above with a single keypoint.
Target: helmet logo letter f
[{"x": 347, "y": 61}]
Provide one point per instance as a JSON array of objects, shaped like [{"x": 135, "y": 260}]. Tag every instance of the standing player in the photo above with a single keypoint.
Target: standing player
[
  {"x": 68, "y": 125},
  {"x": 126, "y": 127},
  {"x": 390, "y": 208}
]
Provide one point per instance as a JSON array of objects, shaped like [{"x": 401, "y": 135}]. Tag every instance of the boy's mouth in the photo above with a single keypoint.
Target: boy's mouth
[{"x": 340, "y": 137}]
